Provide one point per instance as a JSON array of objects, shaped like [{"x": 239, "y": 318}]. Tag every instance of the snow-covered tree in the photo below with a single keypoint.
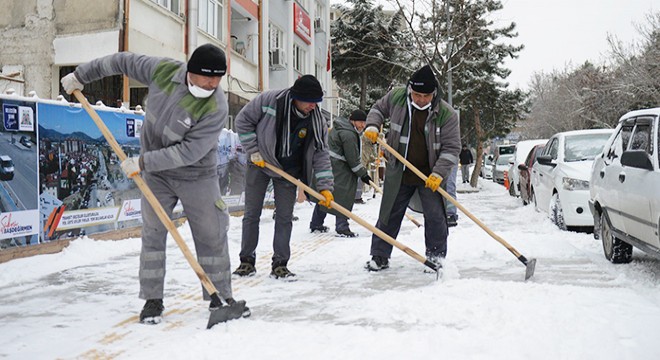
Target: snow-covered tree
[{"x": 367, "y": 49}]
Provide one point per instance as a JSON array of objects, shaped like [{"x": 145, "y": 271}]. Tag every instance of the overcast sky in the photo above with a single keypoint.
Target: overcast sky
[{"x": 557, "y": 33}]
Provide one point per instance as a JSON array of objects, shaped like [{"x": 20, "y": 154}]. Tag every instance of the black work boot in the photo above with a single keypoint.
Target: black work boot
[
  {"x": 246, "y": 268},
  {"x": 152, "y": 312},
  {"x": 377, "y": 263},
  {"x": 280, "y": 271}
]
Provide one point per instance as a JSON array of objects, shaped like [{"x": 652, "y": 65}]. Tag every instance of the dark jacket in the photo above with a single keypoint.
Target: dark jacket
[
  {"x": 344, "y": 143},
  {"x": 443, "y": 139},
  {"x": 465, "y": 157},
  {"x": 257, "y": 126}
]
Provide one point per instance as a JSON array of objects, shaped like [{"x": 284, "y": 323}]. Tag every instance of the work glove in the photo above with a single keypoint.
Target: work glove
[
  {"x": 257, "y": 159},
  {"x": 366, "y": 179},
  {"x": 371, "y": 133},
  {"x": 328, "y": 198},
  {"x": 433, "y": 181},
  {"x": 70, "y": 83},
  {"x": 131, "y": 166}
]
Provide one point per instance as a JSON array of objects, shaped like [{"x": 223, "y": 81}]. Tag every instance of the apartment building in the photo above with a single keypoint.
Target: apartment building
[{"x": 269, "y": 43}]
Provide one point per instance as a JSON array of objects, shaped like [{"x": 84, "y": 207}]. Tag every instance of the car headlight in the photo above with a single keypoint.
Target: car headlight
[{"x": 571, "y": 184}]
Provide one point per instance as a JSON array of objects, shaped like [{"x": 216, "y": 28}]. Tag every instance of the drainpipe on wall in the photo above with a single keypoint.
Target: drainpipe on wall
[
  {"x": 126, "y": 91},
  {"x": 191, "y": 27},
  {"x": 260, "y": 40}
]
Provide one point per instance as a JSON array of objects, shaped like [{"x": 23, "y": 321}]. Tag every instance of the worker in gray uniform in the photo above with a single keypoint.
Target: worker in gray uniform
[{"x": 187, "y": 109}]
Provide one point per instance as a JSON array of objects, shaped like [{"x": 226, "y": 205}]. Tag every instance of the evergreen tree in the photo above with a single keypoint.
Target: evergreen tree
[{"x": 366, "y": 52}]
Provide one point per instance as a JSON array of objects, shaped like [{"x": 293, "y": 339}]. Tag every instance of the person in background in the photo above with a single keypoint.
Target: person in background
[
  {"x": 187, "y": 110},
  {"x": 286, "y": 129},
  {"x": 224, "y": 155},
  {"x": 425, "y": 130},
  {"x": 232, "y": 163},
  {"x": 465, "y": 159},
  {"x": 347, "y": 168}
]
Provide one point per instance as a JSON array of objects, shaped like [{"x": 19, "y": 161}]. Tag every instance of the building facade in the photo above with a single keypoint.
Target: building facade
[{"x": 43, "y": 40}]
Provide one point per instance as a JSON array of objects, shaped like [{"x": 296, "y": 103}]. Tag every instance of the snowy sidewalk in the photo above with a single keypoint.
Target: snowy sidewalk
[{"x": 82, "y": 303}]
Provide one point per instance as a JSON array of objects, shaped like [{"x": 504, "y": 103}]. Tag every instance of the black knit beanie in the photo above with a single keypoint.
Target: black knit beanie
[
  {"x": 358, "y": 115},
  {"x": 208, "y": 60},
  {"x": 307, "y": 89},
  {"x": 423, "y": 80}
]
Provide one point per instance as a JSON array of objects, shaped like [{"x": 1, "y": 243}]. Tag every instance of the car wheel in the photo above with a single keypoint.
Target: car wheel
[
  {"x": 616, "y": 250},
  {"x": 512, "y": 191},
  {"x": 536, "y": 205},
  {"x": 557, "y": 212}
]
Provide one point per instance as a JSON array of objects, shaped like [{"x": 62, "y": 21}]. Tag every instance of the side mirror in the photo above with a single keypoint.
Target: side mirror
[
  {"x": 490, "y": 157},
  {"x": 545, "y": 160},
  {"x": 523, "y": 167},
  {"x": 637, "y": 159}
]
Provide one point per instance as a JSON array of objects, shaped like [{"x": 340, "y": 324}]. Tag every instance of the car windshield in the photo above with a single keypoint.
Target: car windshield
[
  {"x": 7, "y": 163},
  {"x": 508, "y": 149},
  {"x": 584, "y": 147},
  {"x": 504, "y": 160}
]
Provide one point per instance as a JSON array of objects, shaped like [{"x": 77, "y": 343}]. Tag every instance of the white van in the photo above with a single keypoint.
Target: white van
[{"x": 6, "y": 167}]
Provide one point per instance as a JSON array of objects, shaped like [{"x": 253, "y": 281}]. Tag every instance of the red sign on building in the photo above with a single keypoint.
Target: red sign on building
[{"x": 302, "y": 24}]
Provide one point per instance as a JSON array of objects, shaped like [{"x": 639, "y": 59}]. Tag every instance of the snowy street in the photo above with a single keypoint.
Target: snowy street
[{"x": 82, "y": 303}]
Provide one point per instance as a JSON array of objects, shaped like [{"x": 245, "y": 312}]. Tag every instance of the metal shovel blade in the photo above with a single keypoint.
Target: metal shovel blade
[
  {"x": 226, "y": 313},
  {"x": 531, "y": 265}
]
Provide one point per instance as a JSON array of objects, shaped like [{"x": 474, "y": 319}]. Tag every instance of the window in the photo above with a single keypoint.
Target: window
[
  {"x": 304, "y": 4},
  {"x": 553, "y": 149},
  {"x": 299, "y": 56},
  {"x": 276, "y": 36},
  {"x": 619, "y": 143},
  {"x": 171, "y": 5},
  {"x": 211, "y": 17},
  {"x": 320, "y": 11},
  {"x": 641, "y": 139},
  {"x": 584, "y": 146}
]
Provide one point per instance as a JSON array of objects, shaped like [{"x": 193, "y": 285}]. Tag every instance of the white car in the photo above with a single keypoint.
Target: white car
[
  {"x": 560, "y": 177},
  {"x": 487, "y": 167},
  {"x": 625, "y": 188},
  {"x": 519, "y": 157},
  {"x": 500, "y": 166}
]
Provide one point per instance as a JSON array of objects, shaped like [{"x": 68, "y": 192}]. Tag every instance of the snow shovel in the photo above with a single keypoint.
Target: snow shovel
[
  {"x": 357, "y": 219},
  {"x": 529, "y": 264},
  {"x": 380, "y": 191},
  {"x": 223, "y": 313}
]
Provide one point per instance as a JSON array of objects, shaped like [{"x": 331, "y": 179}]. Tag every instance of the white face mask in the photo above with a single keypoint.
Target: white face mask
[
  {"x": 420, "y": 107},
  {"x": 199, "y": 92}
]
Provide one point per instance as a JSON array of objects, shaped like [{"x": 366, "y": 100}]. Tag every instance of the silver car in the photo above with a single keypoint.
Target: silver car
[{"x": 625, "y": 188}]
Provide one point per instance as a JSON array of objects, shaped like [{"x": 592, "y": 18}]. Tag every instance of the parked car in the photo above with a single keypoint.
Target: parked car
[
  {"x": 499, "y": 167},
  {"x": 6, "y": 167},
  {"x": 519, "y": 155},
  {"x": 560, "y": 182},
  {"x": 486, "y": 171},
  {"x": 625, "y": 188},
  {"x": 525, "y": 170},
  {"x": 25, "y": 141}
]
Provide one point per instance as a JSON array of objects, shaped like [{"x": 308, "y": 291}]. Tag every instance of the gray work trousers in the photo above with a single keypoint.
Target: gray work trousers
[
  {"x": 209, "y": 224},
  {"x": 285, "y": 197}
]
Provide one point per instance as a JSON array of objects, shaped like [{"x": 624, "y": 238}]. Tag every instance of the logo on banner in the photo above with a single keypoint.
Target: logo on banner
[
  {"x": 18, "y": 118},
  {"x": 130, "y": 210},
  {"x": 133, "y": 127},
  {"x": 20, "y": 223},
  {"x": 10, "y": 116}
]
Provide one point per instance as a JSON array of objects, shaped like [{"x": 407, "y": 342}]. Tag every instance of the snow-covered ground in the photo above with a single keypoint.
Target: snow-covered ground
[{"x": 82, "y": 303}]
